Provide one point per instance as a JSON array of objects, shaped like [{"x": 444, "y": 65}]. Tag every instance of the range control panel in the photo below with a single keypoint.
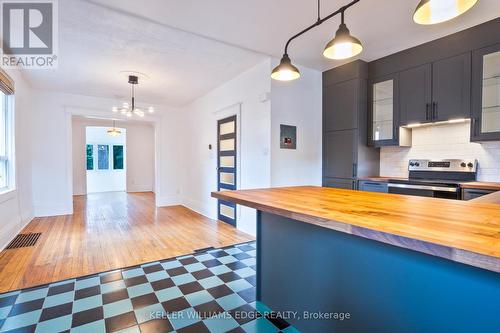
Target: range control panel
[{"x": 454, "y": 165}]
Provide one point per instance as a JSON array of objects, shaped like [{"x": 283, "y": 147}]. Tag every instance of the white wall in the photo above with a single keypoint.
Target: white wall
[
  {"x": 297, "y": 103},
  {"x": 262, "y": 163},
  {"x": 140, "y": 154},
  {"x": 16, "y": 208},
  {"x": 199, "y": 164},
  {"x": 438, "y": 142},
  {"x": 52, "y": 149}
]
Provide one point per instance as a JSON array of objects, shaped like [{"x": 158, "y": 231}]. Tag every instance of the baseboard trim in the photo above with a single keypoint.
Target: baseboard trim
[
  {"x": 167, "y": 201},
  {"x": 53, "y": 210},
  {"x": 199, "y": 207}
]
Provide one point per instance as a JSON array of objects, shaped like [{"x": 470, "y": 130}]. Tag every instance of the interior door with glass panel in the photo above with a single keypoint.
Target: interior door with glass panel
[
  {"x": 226, "y": 166},
  {"x": 486, "y": 94}
]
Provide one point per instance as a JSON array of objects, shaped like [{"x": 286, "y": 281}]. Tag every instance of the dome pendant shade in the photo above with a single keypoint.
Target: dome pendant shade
[
  {"x": 285, "y": 71},
  {"x": 343, "y": 46},
  {"x": 437, "y": 11},
  {"x": 114, "y": 131}
]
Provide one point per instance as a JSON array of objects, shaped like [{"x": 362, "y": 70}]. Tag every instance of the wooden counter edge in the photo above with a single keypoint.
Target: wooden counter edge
[
  {"x": 444, "y": 251},
  {"x": 493, "y": 198},
  {"x": 481, "y": 186}
]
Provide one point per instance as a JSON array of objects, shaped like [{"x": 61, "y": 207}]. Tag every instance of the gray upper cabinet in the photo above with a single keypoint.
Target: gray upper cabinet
[
  {"x": 436, "y": 92},
  {"x": 486, "y": 94},
  {"x": 451, "y": 79},
  {"x": 340, "y": 96},
  {"x": 415, "y": 95}
]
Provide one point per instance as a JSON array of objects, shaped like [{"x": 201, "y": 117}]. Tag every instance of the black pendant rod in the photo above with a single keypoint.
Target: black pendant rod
[
  {"x": 133, "y": 98},
  {"x": 320, "y": 21}
]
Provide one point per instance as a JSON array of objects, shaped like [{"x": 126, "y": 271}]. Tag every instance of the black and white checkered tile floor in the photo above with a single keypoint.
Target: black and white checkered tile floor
[{"x": 209, "y": 291}]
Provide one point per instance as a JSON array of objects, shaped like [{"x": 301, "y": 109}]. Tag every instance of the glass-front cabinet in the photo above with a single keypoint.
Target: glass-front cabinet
[
  {"x": 486, "y": 94},
  {"x": 383, "y": 104}
]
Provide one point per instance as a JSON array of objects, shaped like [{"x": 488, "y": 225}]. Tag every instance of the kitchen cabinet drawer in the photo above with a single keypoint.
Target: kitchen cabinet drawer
[
  {"x": 348, "y": 184},
  {"x": 471, "y": 193},
  {"x": 371, "y": 186}
]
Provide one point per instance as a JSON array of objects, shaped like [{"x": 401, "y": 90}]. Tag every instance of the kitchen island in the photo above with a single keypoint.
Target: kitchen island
[{"x": 393, "y": 263}]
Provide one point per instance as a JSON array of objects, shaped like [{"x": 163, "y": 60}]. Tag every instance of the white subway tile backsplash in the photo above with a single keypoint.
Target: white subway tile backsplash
[{"x": 444, "y": 141}]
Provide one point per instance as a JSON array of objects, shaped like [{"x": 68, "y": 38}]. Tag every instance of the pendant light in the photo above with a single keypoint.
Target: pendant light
[
  {"x": 343, "y": 45},
  {"x": 131, "y": 109},
  {"x": 285, "y": 71},
  {"x": 437, "y": 11},
  {"x": 114, "y": 131}
]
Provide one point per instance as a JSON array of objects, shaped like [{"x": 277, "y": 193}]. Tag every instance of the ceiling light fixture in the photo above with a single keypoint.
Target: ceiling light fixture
[
  {"x": 437, "y": 11},
  {"x": 114, "y": 131},
  {"x": 343, "y": 46},
  {"x": 131, "y": 109}
]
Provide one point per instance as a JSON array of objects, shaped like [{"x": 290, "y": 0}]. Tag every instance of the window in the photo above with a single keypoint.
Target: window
[
  {"x": 5, "y": 160},
  {"x": 103, "y": 157},
  {"x": 118, "y": 157},
  {"x": 90, "y": 157}
]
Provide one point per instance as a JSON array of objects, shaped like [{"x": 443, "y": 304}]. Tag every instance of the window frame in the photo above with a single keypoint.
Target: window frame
[
  {"x": 8, "y": 159},
  {"x": 111, "y": 164}
]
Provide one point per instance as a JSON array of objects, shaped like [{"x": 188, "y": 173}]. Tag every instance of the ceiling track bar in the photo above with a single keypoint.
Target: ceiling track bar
[{"x": 320, "y": 21}]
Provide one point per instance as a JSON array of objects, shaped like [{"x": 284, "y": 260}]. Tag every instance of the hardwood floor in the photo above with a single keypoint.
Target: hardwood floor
[{"x": 109, "y": 231}]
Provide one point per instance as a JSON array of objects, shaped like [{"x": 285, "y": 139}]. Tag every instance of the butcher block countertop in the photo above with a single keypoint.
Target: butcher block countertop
[
  {"x": 463, "y": 231},
  {"x": 481, "y": 186}
]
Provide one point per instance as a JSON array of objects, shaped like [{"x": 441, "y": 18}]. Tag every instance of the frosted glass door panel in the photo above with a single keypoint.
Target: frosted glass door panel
[
  {"x": 227, "y": 145},
  {"x": 227, "y": 161},
  {"x": 227, "y": 178},
  {"x": 227, "y": 211},
  {"x": 227, "y": 128}
]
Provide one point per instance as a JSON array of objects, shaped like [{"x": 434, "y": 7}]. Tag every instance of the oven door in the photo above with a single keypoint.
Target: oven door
[{"x": 446, "y": 192}]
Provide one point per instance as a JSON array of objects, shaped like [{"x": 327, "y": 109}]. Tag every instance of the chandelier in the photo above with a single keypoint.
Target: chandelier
[
  {"x": 130, "y": 109},
  {"x": 113, "y": 131}
]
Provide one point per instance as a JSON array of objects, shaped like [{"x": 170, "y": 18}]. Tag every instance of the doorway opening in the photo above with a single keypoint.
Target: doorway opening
[{"x": 105, "y": 159}]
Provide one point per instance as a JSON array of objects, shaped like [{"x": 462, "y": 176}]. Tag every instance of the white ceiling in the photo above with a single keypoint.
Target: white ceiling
[
  {"x": 189, "y": 47},
  {"x": 96, "y": 44}
]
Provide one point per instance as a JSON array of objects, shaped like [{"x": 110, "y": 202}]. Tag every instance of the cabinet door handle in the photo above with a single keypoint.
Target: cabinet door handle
[
  {"x": 354, "y": 169},
  {"x": 474, "y": 126},
  {"x": 434, "y": 111},
  {"x": 427, "y": 111}
]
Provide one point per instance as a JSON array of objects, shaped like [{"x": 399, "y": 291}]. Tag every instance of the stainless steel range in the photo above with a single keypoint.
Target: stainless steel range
[{"x": 435, "y": 178}]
